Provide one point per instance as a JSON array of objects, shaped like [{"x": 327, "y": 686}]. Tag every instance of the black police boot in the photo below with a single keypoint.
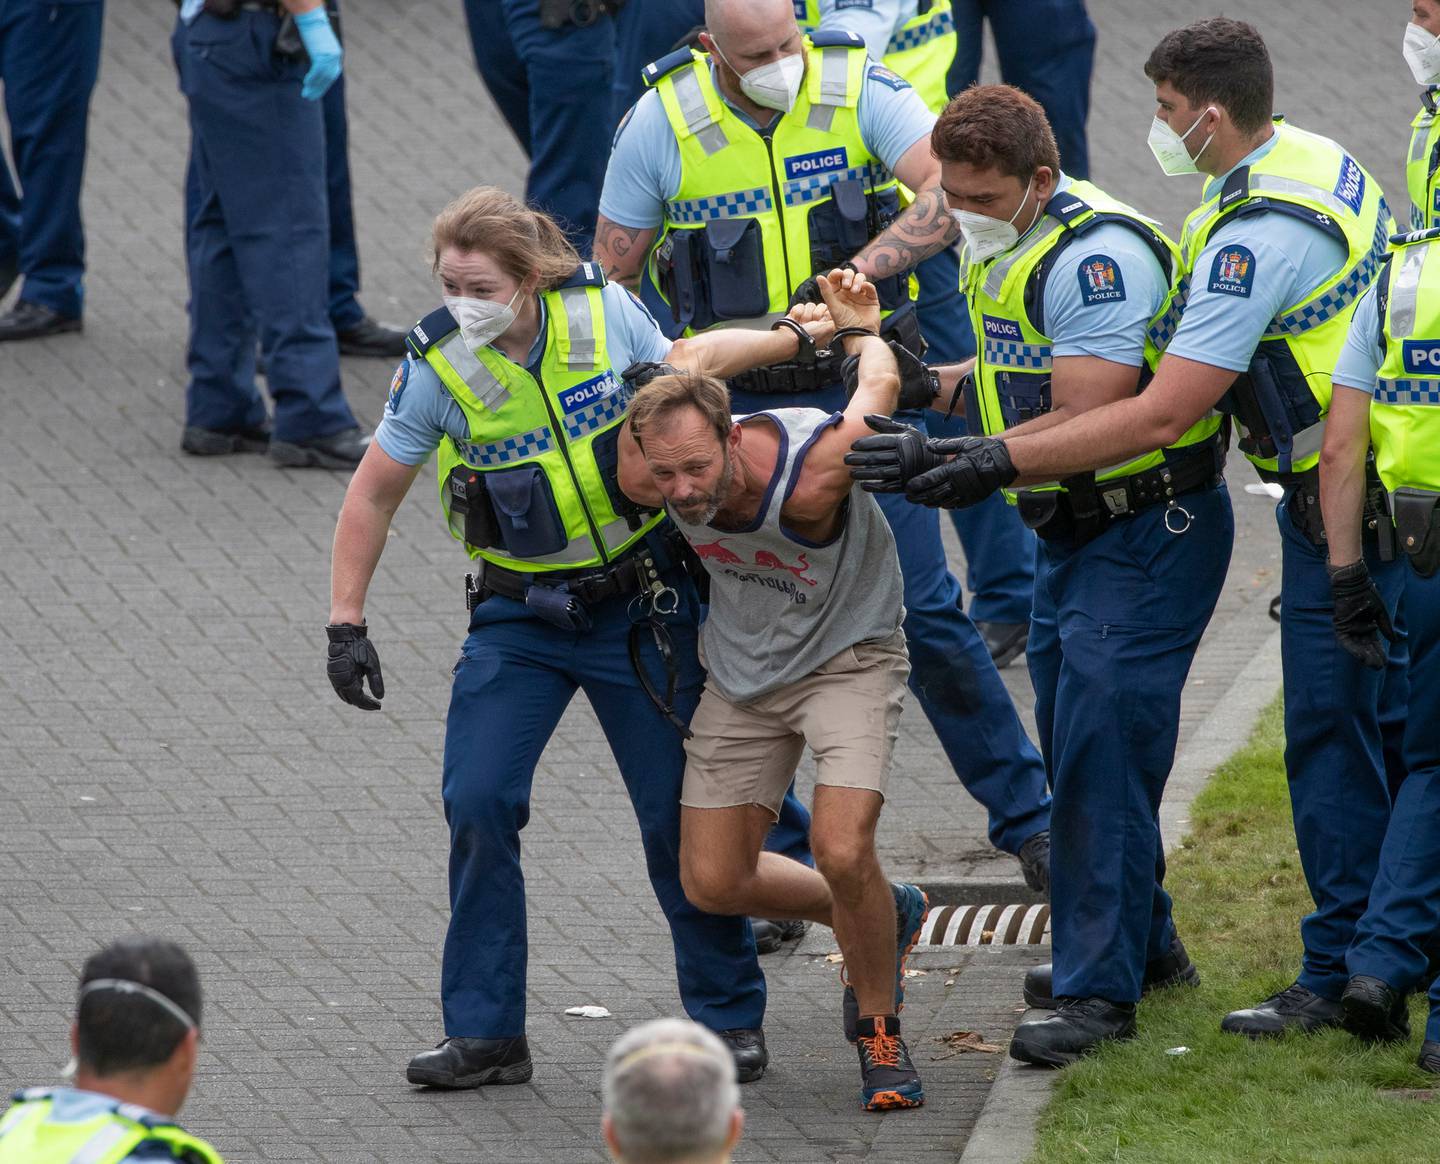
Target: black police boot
[
  {"x": 770, "y": 935},
  {"x": 1296, "y": 1008},
  {"x": 341, "y": 450},
  {"x": 1429, "y": 1057},
  {"x": 1078, "y": 1026},
  {"x": 1034, "y": 858},
  {"x": 31, "y": 321},
  {"x": 747, "y": 1048},
  {"x": 217, "y": 442},
  {"x": 368, "y": 338},
  {"x": 1172, "y": 969},
  {"x": 463, "y": 1063},
  {"x": 1374, "y": 1011},
  {"x": 1004, "y": 640}
]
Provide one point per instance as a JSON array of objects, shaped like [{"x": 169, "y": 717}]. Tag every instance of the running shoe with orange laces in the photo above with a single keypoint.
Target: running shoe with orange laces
[
  {"x": 911, "y": 905},
  {"x": 888, "y": 1078}
]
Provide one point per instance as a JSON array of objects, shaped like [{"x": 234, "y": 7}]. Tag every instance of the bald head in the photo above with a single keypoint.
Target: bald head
[{"x": 750, "y": 33}]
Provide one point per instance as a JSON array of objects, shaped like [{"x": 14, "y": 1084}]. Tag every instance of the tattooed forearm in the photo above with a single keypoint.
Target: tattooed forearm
[
  {"x": 621, "y": 250},
  {"x": 924, "y": 229}
]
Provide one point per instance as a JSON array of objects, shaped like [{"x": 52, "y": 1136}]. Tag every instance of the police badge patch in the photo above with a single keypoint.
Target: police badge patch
[
  {"x": 1101, "y": 281},
  {"x": 398, "y": 382},
  {"x": 1233, "y": 272}
]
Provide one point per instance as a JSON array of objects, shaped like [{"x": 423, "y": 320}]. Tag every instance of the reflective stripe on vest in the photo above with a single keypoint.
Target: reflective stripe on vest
[
  {"x": 29, "y": 1136},
  {"x": 550, "y": 423},
  {"x": 1405, "y": 410},
  {"x": 1422, "y": 163},
  {"x": 920, "y": 49},
  {"x": 1309, "y": 173}
]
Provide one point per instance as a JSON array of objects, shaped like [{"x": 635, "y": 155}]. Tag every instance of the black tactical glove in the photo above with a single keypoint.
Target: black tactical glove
[
  {"x": 809, "y": 290},
  {"x": 1360, "y": 613},
  {"x": 886, "y": 463},
  {"x": 642, "y": 372},
  {"x": 918, "y": 383},
  {"x": 981, "y": 466},
  {"x": 352, "y": 657}
]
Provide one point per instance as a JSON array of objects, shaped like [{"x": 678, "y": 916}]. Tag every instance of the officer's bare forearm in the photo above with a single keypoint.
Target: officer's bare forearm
[
  {"x": 1182, "y": 392},
  {"x": 725, "y": 351},
  {"x": 1342, "y": 474},
  {"x": 374, "y": 494},
  {"x": 621, "y": 250},
  {"x": 924, "y": 229},
  {"x": 949, "y": 376}
]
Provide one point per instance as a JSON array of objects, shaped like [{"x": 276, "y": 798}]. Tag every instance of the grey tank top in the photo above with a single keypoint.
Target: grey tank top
[{"x": 780, "y": 605}]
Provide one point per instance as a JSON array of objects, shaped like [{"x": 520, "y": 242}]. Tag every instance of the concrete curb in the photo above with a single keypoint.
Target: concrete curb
[{"x": 1005, "y": 1131}]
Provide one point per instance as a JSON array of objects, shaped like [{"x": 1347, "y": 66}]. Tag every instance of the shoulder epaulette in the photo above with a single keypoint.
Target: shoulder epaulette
[
  {"x": 1404, "y": 238},
  {"x": 1237, "y": 186},
  {"x": 666, "y": 64},
  {"x": 431, "y": 330},
  {"x": 832, "y": 37},
  {"x": 1065, "y": 208},
  {"x": 590, "y": 274}
]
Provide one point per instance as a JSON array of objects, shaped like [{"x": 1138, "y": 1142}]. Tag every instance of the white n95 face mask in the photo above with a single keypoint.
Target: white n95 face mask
[
  {"x": 1169, "y": 147},
  {"x": 775, "y": 85},
  {"x": 1422, "y": 54},
  {"x": 481, "y": 320},
  {"x": 985, "y": 236}
]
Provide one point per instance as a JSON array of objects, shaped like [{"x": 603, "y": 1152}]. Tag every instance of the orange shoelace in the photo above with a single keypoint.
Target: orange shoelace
[{"x": 882, "y": 1048}]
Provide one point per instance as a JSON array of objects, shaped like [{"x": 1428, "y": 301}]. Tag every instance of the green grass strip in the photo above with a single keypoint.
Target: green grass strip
[{"x": 1239, "y": 895}]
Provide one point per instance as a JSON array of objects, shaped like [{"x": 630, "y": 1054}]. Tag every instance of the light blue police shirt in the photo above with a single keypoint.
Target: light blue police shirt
[
  {"x": 875, "y": 21},
  {"x": 1103, "y": 290},
  {"x": 421, "y": 411},
  {"x": 1359, "y": 364},
  {"x": 644, "y": 169},
  {"x": 191, "y": 9},
  {"x": 1251, "y": 270},
  {"x": 70, "y": 1105}
]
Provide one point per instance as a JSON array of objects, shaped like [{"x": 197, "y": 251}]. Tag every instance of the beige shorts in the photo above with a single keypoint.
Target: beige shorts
[{"x": 847, "y": 710}]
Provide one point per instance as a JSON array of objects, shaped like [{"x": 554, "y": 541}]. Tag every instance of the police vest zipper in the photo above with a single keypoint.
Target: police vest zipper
[{"x": 563, "y": 442}]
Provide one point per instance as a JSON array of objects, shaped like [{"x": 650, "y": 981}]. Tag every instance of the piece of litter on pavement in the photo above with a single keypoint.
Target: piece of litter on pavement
[
  {"x": 949, "y": 982},
  {"x": 915, "y": 973},
  {"x": 588, "y": 1011},
  {"x": 835, "y": 957},
  {"x": 1177, "y": 1050},
  {"x": 962, "y": 1042}
]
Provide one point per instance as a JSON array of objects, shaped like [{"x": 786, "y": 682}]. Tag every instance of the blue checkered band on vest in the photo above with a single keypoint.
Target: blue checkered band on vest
[
  {"x": 1407, "y": 391},
  {"x": 513, "y": 448},
  {"x": 1339, "y": 297},
  {"x": 740, "y": 204},
  {"x": 606, "y": 410},
  {"x": 813, "y": 186},
  {"x": 940, "y": 24},
  {"x": 1002, "y": 353},
  {"x": 1162, "y": 331}
]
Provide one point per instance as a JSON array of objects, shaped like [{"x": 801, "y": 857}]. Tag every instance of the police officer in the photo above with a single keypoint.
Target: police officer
[
  {"x": 1386, "y": 381},
  {"x": 517, "y": 382},
  {"x": 549, "y": 65},
  {"x": 256, "y": 233},
  {"x": 49, "y": 60},
  {"x": 1063, "y": 284},
  {"x": 356, "y": 333},
  {"x": 916, "y": 39},
  {"x": 747, "y": 168},
  {"x": 1291, "y": 231},
  {"x": 134, "y": 1041},
  {"x": 1421, "y": 49}
]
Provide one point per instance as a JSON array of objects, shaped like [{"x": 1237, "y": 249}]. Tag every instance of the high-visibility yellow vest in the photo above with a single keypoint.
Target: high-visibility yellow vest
[
  {"x": 1422, "y": 164},
  {"x": 29, "y": 1136},
  {"x": 920, "y": 50},
  {"x": 756, "y": 214},
  {"x": 1281, "y": 401},
  {"x": 1405, "y": 409},
  {"x": 540, "y": 454},
  {"x": 1006, "y": 294}
]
